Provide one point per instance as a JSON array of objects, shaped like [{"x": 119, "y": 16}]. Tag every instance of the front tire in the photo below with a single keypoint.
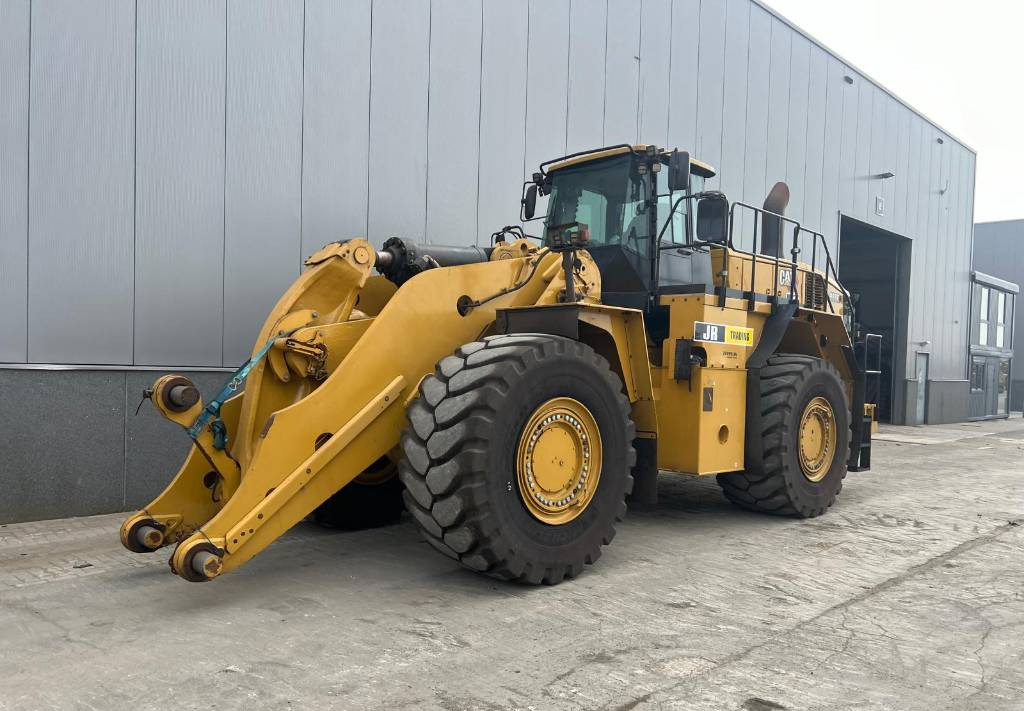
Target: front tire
[
  {"x": 506, "y": 419},
  {"x": 805, "y": 418}
]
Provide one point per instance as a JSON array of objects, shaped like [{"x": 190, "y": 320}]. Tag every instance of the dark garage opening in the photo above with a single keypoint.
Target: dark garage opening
[{"x": 874, "y": 266}]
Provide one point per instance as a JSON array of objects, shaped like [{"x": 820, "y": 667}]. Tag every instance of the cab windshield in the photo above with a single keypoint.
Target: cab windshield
[{"x": 608, "y": 197}]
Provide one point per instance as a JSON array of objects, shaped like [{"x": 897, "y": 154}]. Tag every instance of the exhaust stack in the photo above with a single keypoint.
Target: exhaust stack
[{"x": 771, "y": 227}]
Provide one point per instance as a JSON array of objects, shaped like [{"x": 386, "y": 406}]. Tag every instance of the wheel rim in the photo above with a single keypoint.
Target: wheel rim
[
  {"x": 558, "y": 461},
  {"x": 380, "y": 472},
  {"x": 817, "y": 445}
]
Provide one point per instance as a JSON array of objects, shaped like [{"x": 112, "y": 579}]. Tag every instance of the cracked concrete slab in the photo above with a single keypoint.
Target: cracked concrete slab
[{"x": 908, "y": 594}]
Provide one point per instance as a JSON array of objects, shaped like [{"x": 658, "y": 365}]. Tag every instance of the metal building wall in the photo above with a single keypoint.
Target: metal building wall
[
  {"x": 202, "y": 147},
  {"x": 999, "y": 251},
  {"x": 165, "y": 165}
]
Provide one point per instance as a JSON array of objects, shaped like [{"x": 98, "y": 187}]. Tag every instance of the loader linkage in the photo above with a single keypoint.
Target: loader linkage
[{"x": 344, "y": 352}]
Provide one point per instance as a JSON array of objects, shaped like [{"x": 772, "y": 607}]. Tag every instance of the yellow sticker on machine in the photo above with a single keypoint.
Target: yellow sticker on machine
[{"x": 720, "y": 333}]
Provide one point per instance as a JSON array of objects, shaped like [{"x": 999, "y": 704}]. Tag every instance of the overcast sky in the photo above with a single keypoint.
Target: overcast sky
[{"x": 959, "y": 63}]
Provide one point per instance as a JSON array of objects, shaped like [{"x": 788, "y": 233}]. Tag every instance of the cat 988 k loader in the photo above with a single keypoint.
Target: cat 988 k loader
[{"x": 512, "y": 397}]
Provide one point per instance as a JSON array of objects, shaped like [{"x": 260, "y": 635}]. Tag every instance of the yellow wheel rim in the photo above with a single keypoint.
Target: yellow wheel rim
[
  {"x": 381, "y": 471},
  {"x": 817, "y": 446},
  {"x": 558, "y": 461}
]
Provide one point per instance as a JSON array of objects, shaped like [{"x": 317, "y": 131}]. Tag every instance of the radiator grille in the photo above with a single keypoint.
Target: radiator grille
[{"x": 815, "y": 296}]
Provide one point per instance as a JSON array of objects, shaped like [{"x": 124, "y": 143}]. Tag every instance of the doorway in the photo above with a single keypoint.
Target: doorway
[{"x": 874, "y": 266}]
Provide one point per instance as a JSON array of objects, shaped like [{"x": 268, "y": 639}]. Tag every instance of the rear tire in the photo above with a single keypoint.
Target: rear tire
[
  {"x": 463, "y": 470},
  {"x": 794, "y": 389}
]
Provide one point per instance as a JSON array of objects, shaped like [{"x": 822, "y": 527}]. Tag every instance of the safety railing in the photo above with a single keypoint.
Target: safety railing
[{"x": 779, "y": 263}]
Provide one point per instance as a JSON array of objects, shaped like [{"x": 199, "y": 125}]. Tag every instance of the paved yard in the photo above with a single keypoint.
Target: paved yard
[{"x": 908, "y": 595}]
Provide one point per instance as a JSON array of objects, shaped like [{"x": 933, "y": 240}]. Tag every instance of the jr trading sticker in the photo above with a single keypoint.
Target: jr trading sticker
[{"x": 720, "y": 333}]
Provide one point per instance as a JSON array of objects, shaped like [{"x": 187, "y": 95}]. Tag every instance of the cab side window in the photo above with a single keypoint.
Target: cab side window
[{"x": 675, "y": 233}]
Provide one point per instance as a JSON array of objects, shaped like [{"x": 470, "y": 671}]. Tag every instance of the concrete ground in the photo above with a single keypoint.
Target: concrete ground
[{"x": 909, "y": 594}]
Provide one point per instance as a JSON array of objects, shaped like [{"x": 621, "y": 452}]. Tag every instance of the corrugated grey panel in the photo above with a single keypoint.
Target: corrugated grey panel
[
  {"x": 584, "y": 127},
  {"x": 993, "y": 241},
  {"x": 756, "y": 144},
  {"x": 710, "y": 83},
  {"x": 848, "y": 150},
  {"x": 928, "y": 244},
  {"x": 734, "y": 107},
  {"x": 453, "y": 133},
  {"x": 938, "y": 288},
  {"x": 263, "y": 165},
  {"x": 778, "y": 102},
  {"x": 502, "y": 115},
  {"x": 892, "y": 129},
  {"x": 179, "y": 183},
  {"x": 913, "y": 178},
  {"x": 621, "y": 70},
  {"x": 835, "y": 92},
  {"x": 944, "y": 267},
  {"x": 899, "y": 201},
  {"x": 960, "y": 237},
  {"x": 817, "y": 107},
  {"x": 920, "y": 249},
  {"x": 655, "y": 64},
  {"x": 14, "y": 88},
  {"x": 682, "y": 96},
  {"x": 961, "y": 273},
  {"x": 877, "y": 155},
  {"x": 335, "y": 129},
  {"x": 399, "y": 66},
  {"x": 862, "y": 158},
  {"x": 796, "y": 140},
  {"x": 81, "y": 182},
  {"x": 943, "y": 247},
  {"x": 547, "y": 82}
]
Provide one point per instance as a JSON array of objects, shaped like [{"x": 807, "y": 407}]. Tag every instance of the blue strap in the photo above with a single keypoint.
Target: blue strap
[{"x": 212, "y": 410}]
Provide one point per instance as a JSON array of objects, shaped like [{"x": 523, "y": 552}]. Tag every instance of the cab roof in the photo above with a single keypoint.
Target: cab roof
[{"x": 696, "y": 166}]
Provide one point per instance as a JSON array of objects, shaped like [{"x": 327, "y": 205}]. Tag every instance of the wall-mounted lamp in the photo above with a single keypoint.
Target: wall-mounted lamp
[
  {"x": 939, "y": 141},
  {"x": 847, "y": 78},
  {"x": 884, "y": 176}
]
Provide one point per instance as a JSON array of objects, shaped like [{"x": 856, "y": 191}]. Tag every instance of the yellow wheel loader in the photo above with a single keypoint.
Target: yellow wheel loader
[{"x": 512, "y": 397}]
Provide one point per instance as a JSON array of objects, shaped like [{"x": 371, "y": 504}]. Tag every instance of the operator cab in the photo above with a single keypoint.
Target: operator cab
[{"x": 618, "y": 201}]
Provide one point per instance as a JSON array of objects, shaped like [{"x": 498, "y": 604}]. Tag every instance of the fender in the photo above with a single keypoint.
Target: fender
[
  {"x": 774, "y": 330},
  {"x": 617, "y": 334}
]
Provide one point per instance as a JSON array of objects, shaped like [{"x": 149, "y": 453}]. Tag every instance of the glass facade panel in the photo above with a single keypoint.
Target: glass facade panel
[
  {"x": 1003, "y": 387},
  {"x": 977, "y": 374},
  {"x": 983, "y": 317},
  {"x": 1000, "y": 318}
]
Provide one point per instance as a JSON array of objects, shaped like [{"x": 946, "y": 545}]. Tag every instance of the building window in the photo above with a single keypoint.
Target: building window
[
  {"x": 983, "y": 317},
  {"x": 1000, "y": 318}
]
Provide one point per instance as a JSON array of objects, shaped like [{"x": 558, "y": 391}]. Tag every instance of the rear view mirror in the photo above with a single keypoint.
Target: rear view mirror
[
  {"x": 529, "y": 202},
  {"x": 713, "y": 218},
  {"x": 679, "y": 170}
]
